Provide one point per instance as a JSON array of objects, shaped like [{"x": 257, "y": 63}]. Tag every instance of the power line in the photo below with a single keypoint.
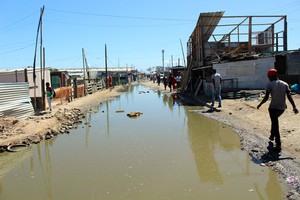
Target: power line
[
  {"x": 111, "y": 62},
  {"x": 117, "y": 26},
  {"x": 19, "y": 49},
  {"x": 16, "y": 22},
  {"x": 15, "y": 44},
  {"x": 118, "y": 16},
  {"x": 279, "y": 8}
]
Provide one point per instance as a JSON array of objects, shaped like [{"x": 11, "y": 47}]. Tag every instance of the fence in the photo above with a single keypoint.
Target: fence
[{"x": 69, "y": 93}]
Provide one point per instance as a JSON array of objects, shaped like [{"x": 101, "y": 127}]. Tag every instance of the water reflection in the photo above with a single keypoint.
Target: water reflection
[
  {"x": 272, "y": 187},
  {"x": 203, "y": 141},
  {"x": 45, "y": 167}
]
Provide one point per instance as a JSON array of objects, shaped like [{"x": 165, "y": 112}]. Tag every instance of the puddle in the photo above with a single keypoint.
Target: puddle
[{"x": 168, "y": 152}]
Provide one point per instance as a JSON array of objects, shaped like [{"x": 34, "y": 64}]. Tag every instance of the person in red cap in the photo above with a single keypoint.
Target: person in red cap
[{"x": 279, "y": 90}]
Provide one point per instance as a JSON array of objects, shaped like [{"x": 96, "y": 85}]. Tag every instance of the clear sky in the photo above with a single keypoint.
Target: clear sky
[{"x": 134, "y": 31}]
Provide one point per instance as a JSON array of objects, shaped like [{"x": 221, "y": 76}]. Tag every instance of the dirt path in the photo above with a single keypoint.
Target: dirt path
[
  {"x": 251, "y": 125},
  {"x": 49, "y": 124}
]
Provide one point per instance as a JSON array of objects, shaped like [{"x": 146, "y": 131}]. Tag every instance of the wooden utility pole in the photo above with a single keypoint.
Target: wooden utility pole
[
  {"x": 34, "y": 60},
  {"x": 163, "y": 59},
  {"x": 43, "y": 79},
  {"x": 87, "y": 69},
  {"x": 83, "y": 63},
  {"x": 182, "y": 54},
  {"x": 106, "y": 75},
  {"x": 41, "y": 63}
]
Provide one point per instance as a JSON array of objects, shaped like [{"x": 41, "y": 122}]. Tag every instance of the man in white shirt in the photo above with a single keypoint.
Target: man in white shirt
[
  {"x": 178, "y": 81},
  {"x": 279, "y": 91},
  {"x": 216, "y": 79}
]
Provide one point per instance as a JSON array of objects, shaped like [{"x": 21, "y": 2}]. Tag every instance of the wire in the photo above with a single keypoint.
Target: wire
[
  {"x": 117, "y": 26},
  {"x": 283, "y": 7},
  {"x": 111, "y": 62},
  {"x": 15, "y": 44},
  {"x": 118, "y": 16},
  {"x": 16, "y": 22},
  {"x": 19, "y": 49}
]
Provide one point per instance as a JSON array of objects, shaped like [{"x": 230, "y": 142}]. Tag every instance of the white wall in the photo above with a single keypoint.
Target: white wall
[
  {"x": 37, "y": 81},
  {"x": 251, "y": 74}
]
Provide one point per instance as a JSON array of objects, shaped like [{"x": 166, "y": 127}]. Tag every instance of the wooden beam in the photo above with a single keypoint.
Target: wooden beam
[{"x": 250, "y": 35}]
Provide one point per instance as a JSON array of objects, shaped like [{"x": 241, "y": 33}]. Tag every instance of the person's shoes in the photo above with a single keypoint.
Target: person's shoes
[{"x": 219, "y": 106}]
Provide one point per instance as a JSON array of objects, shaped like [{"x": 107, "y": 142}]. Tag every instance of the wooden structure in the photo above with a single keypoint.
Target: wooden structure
[{"x": 218, "y": 38}]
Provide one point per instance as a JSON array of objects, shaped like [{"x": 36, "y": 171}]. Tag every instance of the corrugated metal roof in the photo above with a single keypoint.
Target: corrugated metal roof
[
  {"x": 15, "y": 100},
  {"x": 208, "y": 22}
]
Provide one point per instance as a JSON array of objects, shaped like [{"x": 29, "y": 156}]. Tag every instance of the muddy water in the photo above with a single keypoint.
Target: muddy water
[{"x": 169, "y": 152}]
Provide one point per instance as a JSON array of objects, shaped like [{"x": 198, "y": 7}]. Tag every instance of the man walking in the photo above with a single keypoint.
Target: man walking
[
  {"x": 279, "y": 90},
  {"x": 216, "y": 79}
]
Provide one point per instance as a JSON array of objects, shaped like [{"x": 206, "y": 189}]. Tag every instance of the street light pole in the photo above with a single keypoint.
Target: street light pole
[{"x": 163, "y": 60}]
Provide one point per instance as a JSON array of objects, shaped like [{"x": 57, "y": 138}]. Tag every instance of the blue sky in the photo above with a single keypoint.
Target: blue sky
[{"x": 135, "y": 31}]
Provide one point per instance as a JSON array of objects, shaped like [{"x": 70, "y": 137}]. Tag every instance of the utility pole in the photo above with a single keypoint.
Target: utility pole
[
  {"x": 83, "y": 64},
  {"x": 43, "y": 79},
  {"x": 182, "y": 54},
  {"x": 41, "y": 62},
  {"x": 163, "y": 60},
  {"x": 106, "y": 75},
  {"x": 34, "y": 60}
]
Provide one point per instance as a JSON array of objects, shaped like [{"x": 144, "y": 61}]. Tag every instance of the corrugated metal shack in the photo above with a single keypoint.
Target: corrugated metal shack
[
  {"x": 15, "y": 100},
  {"x": 26, "y": 75},
  {"x": 240, "y": 48}
]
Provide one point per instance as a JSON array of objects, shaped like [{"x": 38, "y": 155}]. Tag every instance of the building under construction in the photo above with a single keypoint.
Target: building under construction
[{"x": 240, "y": 48}]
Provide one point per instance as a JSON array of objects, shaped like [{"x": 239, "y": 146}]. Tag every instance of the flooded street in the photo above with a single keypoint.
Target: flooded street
[{"x": 168, "y": 152}]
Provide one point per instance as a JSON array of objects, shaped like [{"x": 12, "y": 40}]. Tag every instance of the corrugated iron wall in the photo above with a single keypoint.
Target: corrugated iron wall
[
  {"x": 15, "y": 100},
  {"x": 293, "y": 62}
]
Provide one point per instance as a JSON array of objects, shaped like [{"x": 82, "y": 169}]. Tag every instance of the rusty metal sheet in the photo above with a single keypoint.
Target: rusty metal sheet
[{"x": 208, "y": 22}]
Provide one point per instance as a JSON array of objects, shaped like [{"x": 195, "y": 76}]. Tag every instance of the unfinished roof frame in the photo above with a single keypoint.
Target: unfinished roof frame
[{"x": 247, "y": 34}]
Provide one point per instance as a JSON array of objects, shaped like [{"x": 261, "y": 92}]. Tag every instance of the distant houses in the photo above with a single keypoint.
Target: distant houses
[{"x": 21, "y": 95}]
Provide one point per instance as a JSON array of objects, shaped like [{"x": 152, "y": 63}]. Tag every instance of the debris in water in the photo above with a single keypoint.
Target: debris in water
[{"x": 134, "y": 114}]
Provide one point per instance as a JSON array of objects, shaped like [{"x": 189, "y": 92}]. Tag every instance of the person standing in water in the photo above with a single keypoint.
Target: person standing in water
[
  {"x": 170, "y": 82},
  {"x": 165, "y": 81}
]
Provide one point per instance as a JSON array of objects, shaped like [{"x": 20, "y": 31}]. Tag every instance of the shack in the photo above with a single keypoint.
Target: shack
[
  {"x": 36, "y": 88},
  {"x": 240, "y": 48}
]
